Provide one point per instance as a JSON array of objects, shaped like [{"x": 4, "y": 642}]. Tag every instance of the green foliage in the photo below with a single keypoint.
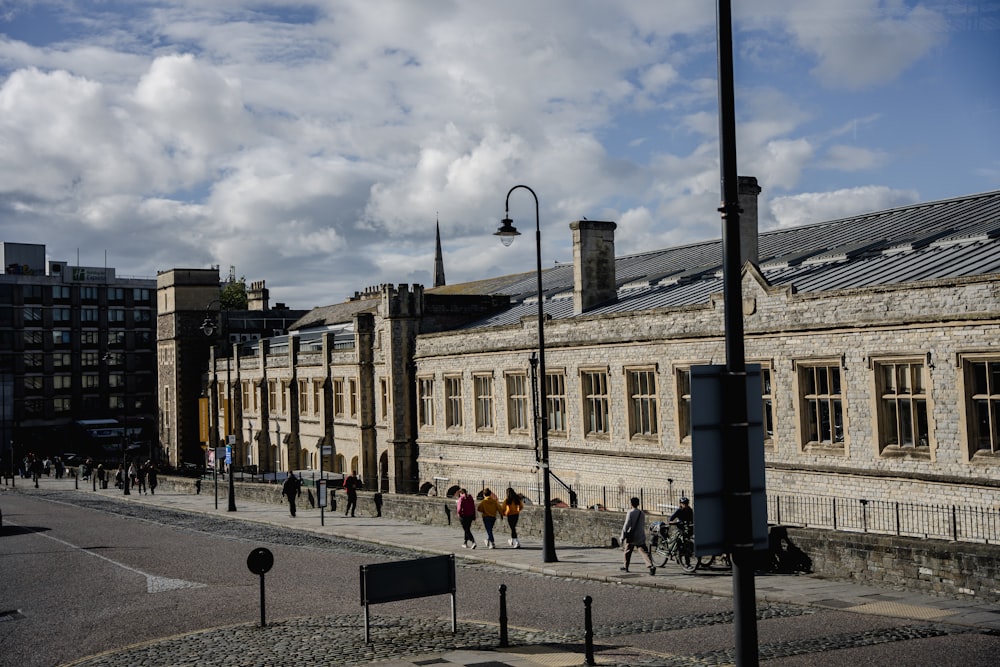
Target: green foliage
[{"x": 233, "y": 295}]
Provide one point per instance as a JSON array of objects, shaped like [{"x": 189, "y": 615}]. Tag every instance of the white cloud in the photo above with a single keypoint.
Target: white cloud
[
  {"x": 854, "y": 158},
  {"x": 812, "y": 207}
]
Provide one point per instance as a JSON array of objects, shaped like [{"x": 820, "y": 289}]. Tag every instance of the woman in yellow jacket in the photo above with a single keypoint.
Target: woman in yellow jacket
[
  {"x": 489, "y": 507},
  {"x": 511, "y": 508}
]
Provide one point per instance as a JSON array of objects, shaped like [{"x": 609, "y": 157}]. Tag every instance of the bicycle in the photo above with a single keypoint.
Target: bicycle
[{"x": 673, "y": 542}]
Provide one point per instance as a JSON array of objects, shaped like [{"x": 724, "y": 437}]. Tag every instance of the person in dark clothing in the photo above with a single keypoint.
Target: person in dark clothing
[
  {"x": 683, "y": 514},
  {"x": 351, "y": 484},
  {"x": 151, "y": 479},
  {"x": 291, "y": 488}
]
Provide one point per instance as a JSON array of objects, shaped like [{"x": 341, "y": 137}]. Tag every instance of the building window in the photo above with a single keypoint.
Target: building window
[
  {"x": 684, "y": 405},
  {"x": 517, "y": 402},
  {"x": 338, "y": 397},
  {"x": 34, "y": 406},
  {"x": 91, "y": 315},
  {"x": 61, "y": 315},
  {"x": 245, "y": 392},
  {"x": 272, "y": 395},
  {"x": 60, "y": 293},
  {"x": 453, "y": 402},
  {"x": 88, "y": 293},
  {"x": 91, "y": 381},
  {"x": 283, "y": 398},
  {"x": 33, "y": 338},
  {"x": 89, "y": 338},
  {"x": 303, "y": 397},
  {"x": 822, "y": 404},
  {"x": 483, "y": 385},
  {"x": 384, "y": 384},
  {"x": 62, "y": 382},
  {"x": 65, "y": 359},
  {"x": 767, "y": 398},
  {"x": 116, "y": 380},
  {"x": 139, "y": 315},
  {"x": 982, "y": 399},
  {"x": 32, "y": 293},
  {"x": 32, "y": 315},
  {"x": 317, "y": 397},
  {"x": 902, "y": 405},
  {"x": 642, "y": 413},
  {"x": 61, "y": 404},
  {"x": 33, "y": 383},
  {"x": 555, "y": 400},
  {"x": 352, "y": 397},
  {"x": 61, "y": 338},
  {"x": 140, "y": 295},
  {"x": 33, "y": 360},
  {"x": 425, "y": 401},
  {"x": 116, "y": 294},
  {"x": 116, "y": 315},
  {"x": 594, "y": 385}
]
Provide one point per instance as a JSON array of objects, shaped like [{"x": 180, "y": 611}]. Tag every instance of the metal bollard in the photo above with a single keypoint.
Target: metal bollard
[
  {"x": 503, "y": 615},
  {"x": 588, "y": 635}
]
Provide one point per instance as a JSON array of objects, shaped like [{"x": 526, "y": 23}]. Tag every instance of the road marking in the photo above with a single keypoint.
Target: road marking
[{"x": 154, "y": 583}]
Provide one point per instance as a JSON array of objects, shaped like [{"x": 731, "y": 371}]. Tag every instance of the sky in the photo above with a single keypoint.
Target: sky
[{"x": 315, "y": 144}]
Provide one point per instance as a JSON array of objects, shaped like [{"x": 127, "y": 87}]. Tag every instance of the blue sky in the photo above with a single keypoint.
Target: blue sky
[{"x": 315, "y": 144}]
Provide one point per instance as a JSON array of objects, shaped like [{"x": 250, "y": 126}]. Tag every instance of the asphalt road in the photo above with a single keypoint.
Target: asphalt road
[{"x": 80, "y": 575}]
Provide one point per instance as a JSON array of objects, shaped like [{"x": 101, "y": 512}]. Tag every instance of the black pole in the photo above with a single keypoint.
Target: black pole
[
  {"x": 503, "y": 616},
  {"x": 548, "y": 530},
  {"x": 737, "y": 458},
  {"x": 232, "y": 455},
  {"x": 588, "y": 634},
  {"x": 262, "y": 623}
]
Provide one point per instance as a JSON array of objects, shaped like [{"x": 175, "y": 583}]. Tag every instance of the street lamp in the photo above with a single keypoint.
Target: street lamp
[
  {"x": 125, "y": 478},
  {"x": 208, "y": 327},
  {"x": 507, "y": 232}
]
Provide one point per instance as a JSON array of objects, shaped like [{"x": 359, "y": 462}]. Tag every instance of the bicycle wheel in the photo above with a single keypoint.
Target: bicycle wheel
[
  {"x": 660, "y": 554},
  {"x": 685, "y": 557}
]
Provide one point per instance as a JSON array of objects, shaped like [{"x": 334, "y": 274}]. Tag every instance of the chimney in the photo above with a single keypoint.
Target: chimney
[
  {"x": 749, "y": 229},
  {"x": 593, "y": 264},
  {"x": 257, "y": 296}
]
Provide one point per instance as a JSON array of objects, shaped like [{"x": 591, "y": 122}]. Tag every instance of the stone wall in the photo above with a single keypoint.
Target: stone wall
[{"x": 931, "y": 566}]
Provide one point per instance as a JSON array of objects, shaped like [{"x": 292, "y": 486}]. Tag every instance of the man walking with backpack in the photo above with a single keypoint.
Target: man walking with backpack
[{"x": 291, "y": 488}]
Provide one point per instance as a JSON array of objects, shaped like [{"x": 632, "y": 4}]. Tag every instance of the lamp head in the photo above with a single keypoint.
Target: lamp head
[
  {"x": 507, "y": 231},
  {"x": 208, "y": 326}
]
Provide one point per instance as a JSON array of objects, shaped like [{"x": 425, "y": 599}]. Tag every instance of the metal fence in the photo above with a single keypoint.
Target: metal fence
[{"x": 941, "y": 522}]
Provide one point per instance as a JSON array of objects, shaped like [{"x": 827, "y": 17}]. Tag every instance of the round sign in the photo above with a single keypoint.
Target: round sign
[{"x": 260, "y": 560}]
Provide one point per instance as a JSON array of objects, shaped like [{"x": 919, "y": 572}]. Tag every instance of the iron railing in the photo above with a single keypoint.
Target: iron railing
[{"x": 926, "y": 521}]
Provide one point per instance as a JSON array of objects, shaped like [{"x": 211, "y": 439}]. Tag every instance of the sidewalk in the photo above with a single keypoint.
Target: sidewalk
[{"x": 585, "y": 562}]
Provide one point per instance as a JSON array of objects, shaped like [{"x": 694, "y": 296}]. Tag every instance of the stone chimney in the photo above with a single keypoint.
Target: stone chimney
[
  {"x": 593, "y": 264},
  {"x": 257, "y": 296},
  {"x": 749, "y": 229}
]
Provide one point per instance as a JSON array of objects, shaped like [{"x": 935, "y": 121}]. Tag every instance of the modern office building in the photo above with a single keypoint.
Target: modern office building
[{"x": 76, "y": 343}]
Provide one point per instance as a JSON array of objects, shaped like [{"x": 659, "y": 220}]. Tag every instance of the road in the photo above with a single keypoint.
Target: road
[{"x": 81, "y": 575}]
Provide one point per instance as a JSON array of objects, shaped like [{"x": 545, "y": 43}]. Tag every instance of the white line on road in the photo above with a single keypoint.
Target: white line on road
[{"x": 154, "y": 584}]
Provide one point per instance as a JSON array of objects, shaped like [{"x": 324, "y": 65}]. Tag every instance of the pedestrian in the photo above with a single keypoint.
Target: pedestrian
[
  {"x": 683, "y": 514},
  {"x": 133, "y": 474},
  {"x": 57, "y": 462},
  {"x": 140, "y": 478},
  {"x": 377, "y": 499},
  {"x": 35, "y": 468},
  {"x": 102, "y": 476},
  {"x": 351, "y": 484},
  {"x": 292, "y": 488},
  {"x": 634, "y": 536},
  {"x": 466, "y": 506},
  {"x": 489, "y": 507},
  {"x": 511, "y": 509},
  {"x": 151, "y": 478}
]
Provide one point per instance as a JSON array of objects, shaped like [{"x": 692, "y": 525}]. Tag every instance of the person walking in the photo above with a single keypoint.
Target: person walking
[
  {"x": 489, "y": 507},
  {"x": 511, "y": 508},
  {"x": 291, "y": 488},
  {"x": 102, "y": 476},
  {"x": 634, "y": 536},
  {"x": 140, "y": 478},
  {"x": 351, "y": 484},
  {"x": 466, "y": 506},
  {"x": 151, "y": 478}
]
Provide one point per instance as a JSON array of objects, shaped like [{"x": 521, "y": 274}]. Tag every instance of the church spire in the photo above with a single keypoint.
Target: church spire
[{"x": 438, "y": 259}]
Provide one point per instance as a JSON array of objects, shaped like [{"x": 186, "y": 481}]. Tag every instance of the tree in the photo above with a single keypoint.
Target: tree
[{"x": 233, "y": 295}]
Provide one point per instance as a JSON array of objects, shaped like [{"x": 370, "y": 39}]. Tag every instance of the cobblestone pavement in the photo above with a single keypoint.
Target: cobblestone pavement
[{"x": 402, "y": 642}]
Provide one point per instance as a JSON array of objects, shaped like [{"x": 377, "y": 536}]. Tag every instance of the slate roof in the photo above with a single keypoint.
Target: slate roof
[{"x": 951, "y": 238}]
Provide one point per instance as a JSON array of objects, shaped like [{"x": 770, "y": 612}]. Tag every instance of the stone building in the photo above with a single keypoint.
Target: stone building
[
  {"x": 191, "y": 331},
  {"x": 878, "y": 339}
]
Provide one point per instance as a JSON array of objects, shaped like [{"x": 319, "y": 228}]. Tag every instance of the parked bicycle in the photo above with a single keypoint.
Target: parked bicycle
[{"x": 673, "y": 542}]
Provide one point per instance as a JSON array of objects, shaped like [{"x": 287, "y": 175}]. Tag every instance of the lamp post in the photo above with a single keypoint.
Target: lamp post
[
  {"x": 208, "y": 327},
  {"x": 249, "y": 445},
  {"x": 277, "y": 451},
  {"x": 126, "y": 480},
  {"x": 507, "y": 232}
]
